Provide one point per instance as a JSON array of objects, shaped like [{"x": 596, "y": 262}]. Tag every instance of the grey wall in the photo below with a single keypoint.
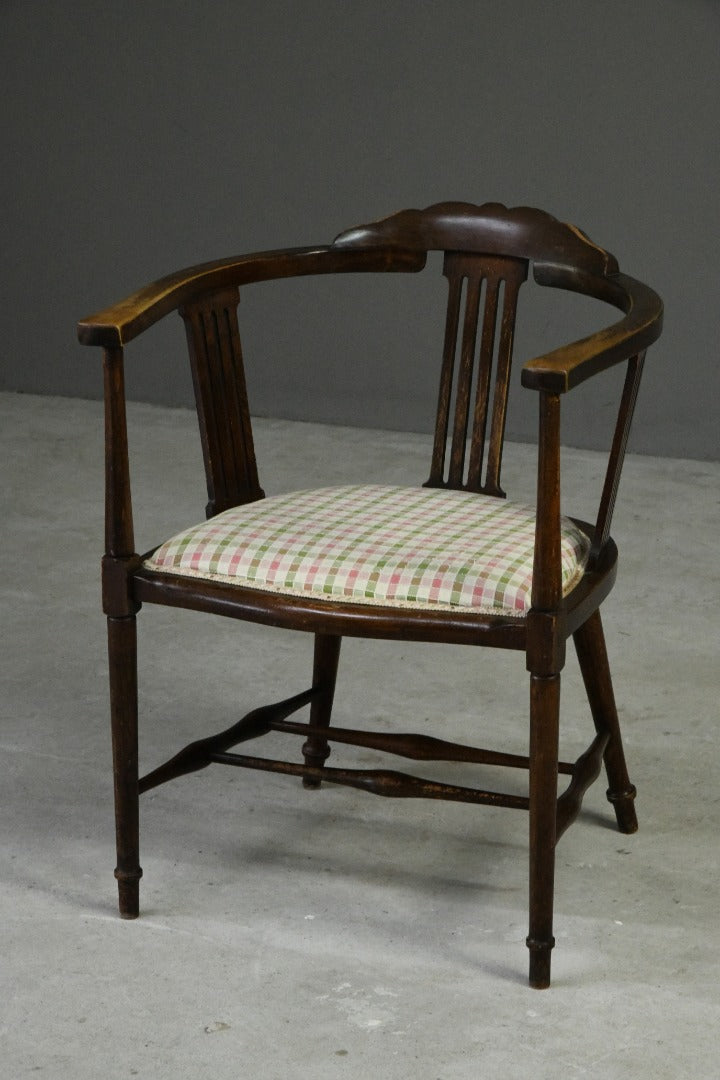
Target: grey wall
[{"x": 142, "y": 136}]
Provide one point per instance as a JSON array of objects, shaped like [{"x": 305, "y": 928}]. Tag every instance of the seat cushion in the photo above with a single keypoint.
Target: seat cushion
[{"x": 412, "y": 547}]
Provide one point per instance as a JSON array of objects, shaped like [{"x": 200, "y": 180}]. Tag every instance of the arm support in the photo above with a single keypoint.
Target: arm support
[
  {"x": 119, "y": 324},
  {"x": 564, "y": 368}
]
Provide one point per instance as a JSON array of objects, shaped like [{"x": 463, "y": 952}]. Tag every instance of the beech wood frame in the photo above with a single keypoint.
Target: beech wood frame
[{"x": 489, "y": 250}]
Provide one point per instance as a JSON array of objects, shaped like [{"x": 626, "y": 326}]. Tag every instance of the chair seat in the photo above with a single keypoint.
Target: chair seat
[{"x": 374, "y": 544}]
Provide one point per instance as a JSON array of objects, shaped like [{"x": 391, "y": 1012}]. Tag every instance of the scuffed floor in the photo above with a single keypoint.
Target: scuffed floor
[{"x": 289, "y": 933}]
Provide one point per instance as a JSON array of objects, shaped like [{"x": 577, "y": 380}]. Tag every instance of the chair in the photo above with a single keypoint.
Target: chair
[{"x": 449, "y": 561}]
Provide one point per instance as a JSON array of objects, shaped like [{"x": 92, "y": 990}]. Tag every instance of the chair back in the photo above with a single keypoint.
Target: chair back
[{"x": 488, "y": 250}]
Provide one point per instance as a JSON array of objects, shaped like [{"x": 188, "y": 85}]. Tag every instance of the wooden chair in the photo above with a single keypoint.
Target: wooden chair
[{"x": 451, "y": 561}]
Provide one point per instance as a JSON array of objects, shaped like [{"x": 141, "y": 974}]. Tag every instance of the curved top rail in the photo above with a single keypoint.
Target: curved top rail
[
  {"x": 120, "y": 323},
  {"x": 563, "y": 368},
  {"x": 492, "y": 228}
]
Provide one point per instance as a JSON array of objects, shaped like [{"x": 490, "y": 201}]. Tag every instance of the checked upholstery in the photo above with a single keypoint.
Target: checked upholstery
[{"x": 376, "y": 544}]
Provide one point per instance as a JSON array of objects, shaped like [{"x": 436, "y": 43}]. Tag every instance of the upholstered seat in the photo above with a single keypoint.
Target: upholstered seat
[{"x": 377, "y": 544}]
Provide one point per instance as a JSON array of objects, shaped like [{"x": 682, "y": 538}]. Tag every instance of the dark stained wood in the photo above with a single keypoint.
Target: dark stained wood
[
  {"x": 565, "y": 368},
  {"x": 118, "y": 563},
  {"x": 119, "y": 535},
  {"x": 378, "y": 781},
  {"x": 218, "y": 372},
  {"x": 492, "y": 229},
  {"x": 122, "y": 654},
  {"x": 586, "y": 771},
  {"x": 475, "y": 275},
  {"x": 544, "y": 727},
  {"x": 200, "y": 754},
  {"x": 594, "y": 587},
  {"x": 592, "y": 656},
  {"x": 547, "y": 569},
  {"x": 319, "y": 616},
  {"x": 489, "y": 251},
  {"x": 120, "y": 560},
  {"x": 417, "y": 747},
  {"x": 617, "y": 455},
  {"x": 512, "y": 280},
  {"x": 325, "y": 665},
  {"x": 120, "y": 323}
]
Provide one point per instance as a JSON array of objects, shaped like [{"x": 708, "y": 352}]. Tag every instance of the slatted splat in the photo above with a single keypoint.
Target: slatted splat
[
  {"x": 221, "y": 397},
  {"x": 489, "y": 286}
]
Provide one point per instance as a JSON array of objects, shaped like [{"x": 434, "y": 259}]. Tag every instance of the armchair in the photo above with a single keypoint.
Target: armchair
[{"x": 451, "y": 561}]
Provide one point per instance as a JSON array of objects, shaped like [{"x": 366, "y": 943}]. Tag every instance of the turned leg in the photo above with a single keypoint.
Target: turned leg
[
  {"x": 122, "y": 651},
  {"x": 544, "y": 722},
  {"x": 592, "y": 655},
  {"x": 325, "y": 664}
]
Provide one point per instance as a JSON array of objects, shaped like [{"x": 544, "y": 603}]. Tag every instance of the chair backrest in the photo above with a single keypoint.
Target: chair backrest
[
  {"x": 487, "y": 254},
  {"x": 488, "y": 251}
]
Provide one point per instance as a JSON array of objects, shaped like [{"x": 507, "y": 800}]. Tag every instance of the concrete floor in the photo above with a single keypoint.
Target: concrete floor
[{"x": 288, "y": 933}]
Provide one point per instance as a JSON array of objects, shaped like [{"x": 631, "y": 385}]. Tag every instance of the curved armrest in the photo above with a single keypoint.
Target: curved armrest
[
  {"x": 560, "y": 370},
  {"x": 122, "y": 322}
]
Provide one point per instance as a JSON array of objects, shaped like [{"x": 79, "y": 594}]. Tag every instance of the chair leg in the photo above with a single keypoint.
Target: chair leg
[
  {"x": 592, "y": 655},
  {"x": 544, "y": 724},
  {"x": 122, "y": 652},
  {"x": 325, "y": 664}
]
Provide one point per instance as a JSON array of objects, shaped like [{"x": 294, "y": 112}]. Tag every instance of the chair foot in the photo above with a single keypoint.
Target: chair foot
[
  {"x": 129, "y": 892},
  {"x": 624, "y": 803},
  {"x": 540, "y": 955}
]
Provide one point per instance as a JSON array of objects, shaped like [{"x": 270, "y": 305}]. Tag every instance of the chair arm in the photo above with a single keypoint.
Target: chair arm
[
  {"x": 562, "y": 369},
  {"x": 119, "y": 324}
]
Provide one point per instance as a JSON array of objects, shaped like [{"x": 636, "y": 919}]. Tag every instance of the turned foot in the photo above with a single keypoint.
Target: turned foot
[
  {"x": 129, "y": 893},
  {"x": 540, "y": 954},
  {"x": 624, "y": 803}
]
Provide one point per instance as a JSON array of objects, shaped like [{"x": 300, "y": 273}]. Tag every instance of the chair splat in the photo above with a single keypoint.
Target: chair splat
[
  {"x": 468, "y": 398},
  {"x": 213, "y": 338}
]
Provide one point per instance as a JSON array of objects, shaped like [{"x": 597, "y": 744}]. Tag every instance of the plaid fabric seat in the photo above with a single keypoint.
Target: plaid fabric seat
[{"x": 395, "y": 546}]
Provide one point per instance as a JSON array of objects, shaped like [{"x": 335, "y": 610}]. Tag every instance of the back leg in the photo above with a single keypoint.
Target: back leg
[
  {"x": 592, "y": 655},
  {"x": 325, "y": 664}
]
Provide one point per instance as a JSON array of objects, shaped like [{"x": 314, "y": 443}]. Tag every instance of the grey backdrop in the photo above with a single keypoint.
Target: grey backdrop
[{"x": 142, "y": 136}]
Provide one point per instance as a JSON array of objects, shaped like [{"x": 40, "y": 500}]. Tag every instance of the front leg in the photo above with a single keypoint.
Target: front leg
[
  {"x": 544, "y": 725},
  {"x": 122, "y": 654}
]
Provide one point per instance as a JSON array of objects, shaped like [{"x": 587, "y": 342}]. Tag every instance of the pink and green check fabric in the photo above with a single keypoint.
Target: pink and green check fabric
[{"x": 395, "y": 546}]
